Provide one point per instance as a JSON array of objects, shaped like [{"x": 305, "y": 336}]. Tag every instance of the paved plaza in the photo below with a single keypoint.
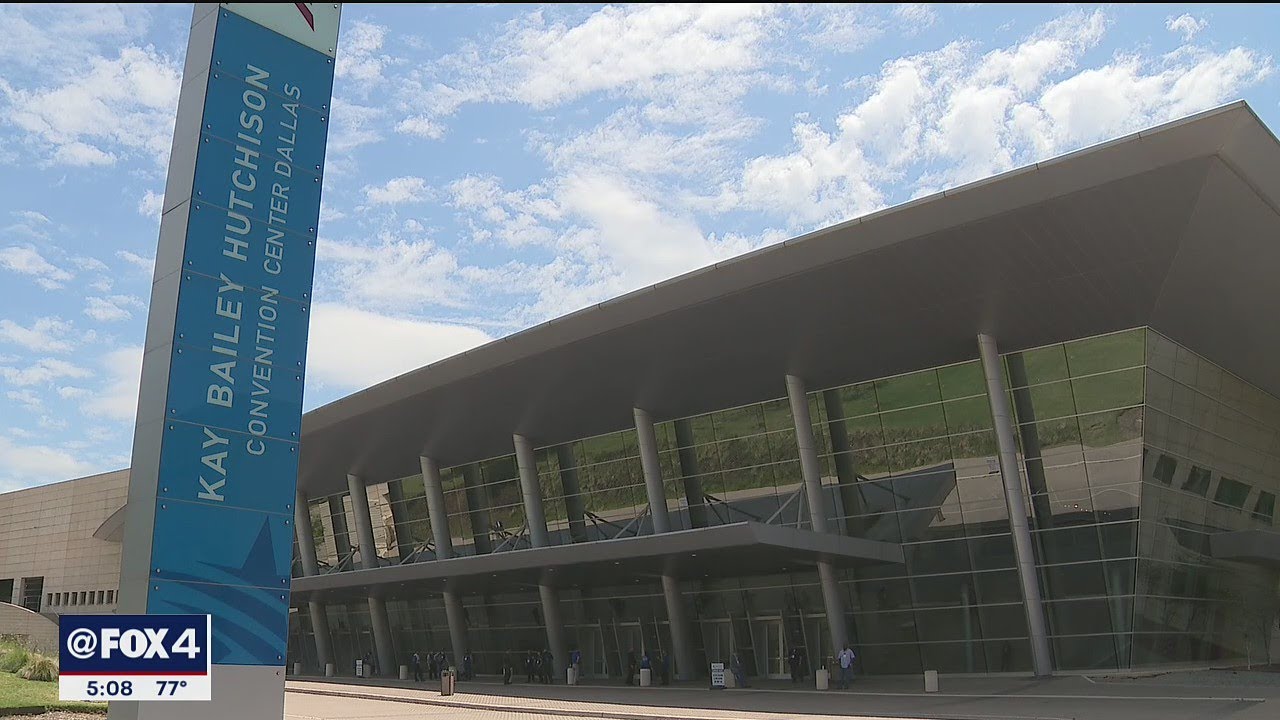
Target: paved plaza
[{"x": 1175, "y": 696}]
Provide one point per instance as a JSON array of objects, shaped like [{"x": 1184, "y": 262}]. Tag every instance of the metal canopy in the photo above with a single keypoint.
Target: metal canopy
[
  {"x": 740, "y": 549},
  {"x": 1173, "y": 227}
]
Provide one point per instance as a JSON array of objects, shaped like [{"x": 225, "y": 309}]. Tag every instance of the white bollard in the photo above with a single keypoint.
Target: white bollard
[
  {"x": 571, "y": 675},
  {"x": 404, "y": 672},
  {"x": 329, "y": 669},
  {"x": 823, "y": 678},
  {"x": 646, "y": 677},
  {"x": 931, "y": 681},
  {"x": 297, "y": 668}
]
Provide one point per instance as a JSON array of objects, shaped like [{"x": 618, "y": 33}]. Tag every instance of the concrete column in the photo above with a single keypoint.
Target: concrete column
[
  {"x": 574, "y": 504},
  {"x": 1041, "y": 659},
  {"x": 305, "y": 534},
  {"x": 652, "y": 472},
  {"x": 382, "y": 643},
  {"x": 812, "y": 473},
  {"x": 341, "y": 533},
  {"x": 534, "y": 516},
  {"x": 435, "y": 507},
  {"x": 395, "y": 500},
  {"x": 457, "y": 625},
  {"x": 320, "y": 629},
  {"x": 685, "y": 666},
  {"x": 307, "y": 551},
  {"x": 555, "y": 629},
  {"x": 695, "y": 498},
  {"x": 846, "y": 467},
  {"x": 368, "y": 561},
  {"x": 477, "y": 510}
]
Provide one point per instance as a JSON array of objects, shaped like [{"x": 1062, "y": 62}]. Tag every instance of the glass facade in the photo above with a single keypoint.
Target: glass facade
[{"x": 1132, "y": 449}]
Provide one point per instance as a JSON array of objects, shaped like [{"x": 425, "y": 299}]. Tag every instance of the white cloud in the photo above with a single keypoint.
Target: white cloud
[
  {"x": 844, "y": 27},
  {"x": 362, "y": 61},
  {"x": 421, "y": 127},
  {"x": 398, "y": 272},
  {"x": 111, "y": 308},
  {"x": 118, "y": 398},
  {"x": 28, "y": 465},
  {"x": 70, "y": 392},
  {"x": 120, "y": 105},
  {"x": 26, "y": 398},
  {"x": 26, "y": 260},
  {"x": 684, "y": 61},
  {"x": 151, "y": 204},
  {"x": 42, "y": 371},
  {"x": 915, "y": 16},
  {"x": 46, "y": 334},
  {"x": 941, "y": 118},
  {"x": 1187, "y": 25},
  {"x": 147, "y": 264},
  {"x": 352, "y": 349},
  {"x": 397, "y": 191}
]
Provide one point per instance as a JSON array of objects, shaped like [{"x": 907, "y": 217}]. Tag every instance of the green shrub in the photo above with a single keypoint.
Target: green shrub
[
  {"x": 14, "y": 660},
  {"x": 39, "y": 668}
]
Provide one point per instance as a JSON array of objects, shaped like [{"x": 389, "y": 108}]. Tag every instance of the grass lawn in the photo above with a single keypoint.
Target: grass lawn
[{"x": 18, "y": 693}]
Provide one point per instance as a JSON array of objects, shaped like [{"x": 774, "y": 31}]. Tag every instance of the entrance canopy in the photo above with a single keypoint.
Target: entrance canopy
[{"x": 737, "y": 550}]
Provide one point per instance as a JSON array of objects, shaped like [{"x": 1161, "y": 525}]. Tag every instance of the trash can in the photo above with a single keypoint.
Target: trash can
[
  {"x": 297, "y": 668},
  {"x": 404, "y": 672},
  {"x": 646, "y": 677},
  {"x": 931, "y": 681},
  {"x": 823, "y": 678},
  {"x": 329, "y": 669},
  {"x": 447, "y": 679}
]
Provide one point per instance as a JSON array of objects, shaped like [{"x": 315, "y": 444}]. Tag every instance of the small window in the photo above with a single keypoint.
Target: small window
[
  {"x": 1264, "y": 508},
  {"x": 1165, "y": 468},
  {"x": 73, "y": 599},
  {"x": 1231, "y": 492},
  {"x": 111, "y": 597},
  {"x": 84, "y": 598},
  {"x": 102, "y": 595},
  {"x": 1197, "y": 481},
  {"x": 49, "y": 600}
]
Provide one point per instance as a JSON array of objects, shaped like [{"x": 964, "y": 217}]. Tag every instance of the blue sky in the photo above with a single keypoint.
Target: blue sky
[{"x": 492, "y": 167}]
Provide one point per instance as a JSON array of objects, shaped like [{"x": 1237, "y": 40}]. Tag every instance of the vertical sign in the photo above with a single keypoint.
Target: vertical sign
[{"x": 215, "y": 453}]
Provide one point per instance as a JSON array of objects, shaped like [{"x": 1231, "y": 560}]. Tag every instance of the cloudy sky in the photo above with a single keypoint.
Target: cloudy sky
[{"x": 494, "y": 167}]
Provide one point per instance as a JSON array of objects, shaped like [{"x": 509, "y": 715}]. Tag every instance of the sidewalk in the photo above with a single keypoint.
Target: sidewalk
[{"x": 1195, "y": 696}]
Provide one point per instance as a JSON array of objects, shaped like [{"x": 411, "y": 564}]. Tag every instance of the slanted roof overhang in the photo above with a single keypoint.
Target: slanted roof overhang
[
  {"x": 736, "y": 550},
  {"x": 1174, "y": 227}
]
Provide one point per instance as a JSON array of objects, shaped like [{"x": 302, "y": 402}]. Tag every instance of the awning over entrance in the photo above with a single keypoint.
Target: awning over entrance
[
  {"x": 737, "y": 550},
  {"x": 1259, "y": 547}
]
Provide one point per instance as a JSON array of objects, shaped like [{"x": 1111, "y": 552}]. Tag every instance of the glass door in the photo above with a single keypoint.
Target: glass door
[{"x": 775, "y": 648}]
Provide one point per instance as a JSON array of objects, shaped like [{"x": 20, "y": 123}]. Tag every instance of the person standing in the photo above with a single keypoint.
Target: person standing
[
  {"x": 664, "y": 663},
  {"x": 433, "y": 667},
  {"x": 508, "y": 667},
  {"x": 530, "y": 665},
  {"x": 417, "y": 667},
  {"x": 845, "y": 660},
  {"x": 467, "y": 667},
  {"x": 735, "y": 666},
  {"x": 631, "y": 666},
  {"x": 548, "y": 666},
  {"x": 575, "y": 662}
]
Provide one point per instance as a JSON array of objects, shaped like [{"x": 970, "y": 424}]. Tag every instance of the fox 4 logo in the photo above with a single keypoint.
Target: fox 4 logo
[{"x": 134, "y": 643}]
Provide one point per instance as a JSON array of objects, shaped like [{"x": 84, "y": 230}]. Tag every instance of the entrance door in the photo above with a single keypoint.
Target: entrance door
[{"x": 775, "y": 648}]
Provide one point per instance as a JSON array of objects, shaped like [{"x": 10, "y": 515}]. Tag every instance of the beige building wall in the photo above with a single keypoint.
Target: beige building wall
[{"x": 48, "y": 532}]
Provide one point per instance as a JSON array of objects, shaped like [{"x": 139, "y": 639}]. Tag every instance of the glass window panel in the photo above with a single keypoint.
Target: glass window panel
[
  {"x": 1158, "y": 390},
  {"x": 972, "y": 451},
  {"x": 983, "y": 504},
  {"x": 872, "y": 463},
  {"x": 777, "y": 415},
  {"x": 602, "y": 448},
  {"x": 967, "y": 415},
  {"x": 939, "y": 557},
  {"x": 1094, "y": 652},
  {"x": 1048, "y": 401},
  {"x": 1164, "y": 469},
  {"x": 1161, "y": 353},
  {"x": 1100, "y": 430},
  {"x": 991, "y": 553},
  {"x": 1003, "y": 621},
  {"x": 1045, "y": 364},
  {"x": 1231, "y": 493},
  {"x": 1264, "y": 508},
  {"x": 708, "y": 458},
  {"x": 919, "y": 388},
  {"x": 1078, "y": 580},
  {"x": 887, "y": 627},
  {"x": 955, "y": 657},
  {"x": 916, "y": 423},
  {"x": 1197, "y": 481},
  {"x": 1079, "y": 617},
  {"x": 962, "y": 381},
  {"x": 1107, "y": 352},
  {"x": 883, "y": 594},
  {"x": 782, "y": 446},
  {"x": 1119, "y": 540},
  {"x": 891, "y": 659},
  {"x": 916, "y": 456},
  {"x": 738, "y": 422},
  {"x": 943, "y": 591},
  {"x": 865, "y": 432},
  {"x": 1108, "y": 391},
  {"x": 859, "y": 399},
  {"x": 1009, "y": 655}
]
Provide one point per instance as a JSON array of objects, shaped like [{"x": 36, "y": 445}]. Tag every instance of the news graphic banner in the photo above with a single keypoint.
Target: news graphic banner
[
  {"x": 134, "y": 657},
  {"x": 244, "y": 223}
]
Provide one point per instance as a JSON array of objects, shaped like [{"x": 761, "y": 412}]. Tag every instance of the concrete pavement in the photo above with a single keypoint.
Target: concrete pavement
[{"x": 1214, "y": 694}]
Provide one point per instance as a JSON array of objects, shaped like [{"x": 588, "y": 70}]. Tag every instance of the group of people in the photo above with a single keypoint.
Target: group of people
[
  {"x": 436, "y": 663},
  {"x": 800, "y": 667},
  {"x": 657, "y": 662}
]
